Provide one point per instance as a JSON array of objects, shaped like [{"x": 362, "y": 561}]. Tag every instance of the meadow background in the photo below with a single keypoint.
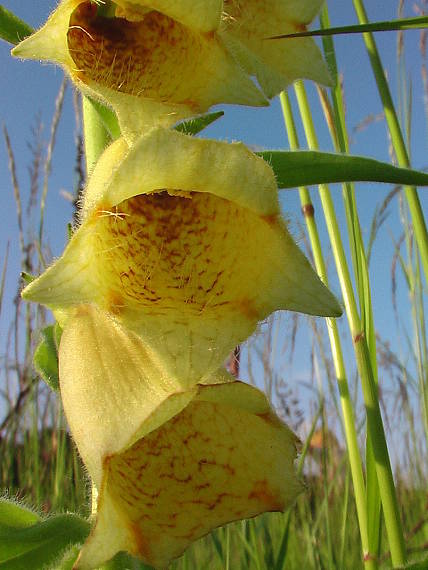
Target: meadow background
[{"x": 42, "y": 171}]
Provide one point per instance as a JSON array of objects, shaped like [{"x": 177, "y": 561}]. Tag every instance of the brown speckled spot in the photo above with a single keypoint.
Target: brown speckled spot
[
  {"x": 262, "y": 492},
  {"x": 159, "y": 252},
  {"x": 142, "y": 546},
  {"x": 208, "y": 465}
]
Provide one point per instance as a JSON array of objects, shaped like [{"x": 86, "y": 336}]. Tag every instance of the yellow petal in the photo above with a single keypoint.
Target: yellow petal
[
  {"x": 191, "y": 269},
  {"x": 202, "y": 15},
  {"x": 275, "y": 63},
  {"x": 114, "y": 389},
  {"x": 167, "y": 159},
  {"x": 225, "y": 457},
  {"x": 295, "y": 12}
]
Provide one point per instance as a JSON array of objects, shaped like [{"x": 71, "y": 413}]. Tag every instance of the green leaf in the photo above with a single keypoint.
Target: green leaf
[
  {"x": 387, "y": 26},
  {"x": 195, "y": 126},
  {"x": 13, "y": 515},
  {"x": 46, "y": 355},
  {"x": 305, "y": 168},
  {"x": 12, "y": 28},
  {"x": 37, "y": 546},
  {"x": 67, "y": 559}
]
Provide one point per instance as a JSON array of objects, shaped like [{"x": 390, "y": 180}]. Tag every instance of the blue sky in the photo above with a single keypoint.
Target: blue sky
[{"x": 29, "y": 89}]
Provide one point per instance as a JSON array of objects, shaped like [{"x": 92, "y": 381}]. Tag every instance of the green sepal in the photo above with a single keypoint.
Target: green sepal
[
  {"x": 35, "y": 546},
  {"x": 46, "y": 355},
  {"x": 305, "y": 168},
  {"x": 12, "y": 28},
  {"x": 198, "y": 124}
]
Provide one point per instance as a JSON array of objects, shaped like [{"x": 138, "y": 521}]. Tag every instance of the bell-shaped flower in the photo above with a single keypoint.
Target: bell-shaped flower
[
  {"x": 152, "y": 68},
  {"x": 182, "y": 241},
  {"x": 160, "y": 61},
  {"x": 170, "y": 463}
]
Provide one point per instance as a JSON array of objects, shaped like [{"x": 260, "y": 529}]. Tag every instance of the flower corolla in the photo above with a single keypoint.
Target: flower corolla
[
  {"x": 183, "y": 243},
  {"x": 158, "y": 61},
  {"x": 170, "y": 463}
]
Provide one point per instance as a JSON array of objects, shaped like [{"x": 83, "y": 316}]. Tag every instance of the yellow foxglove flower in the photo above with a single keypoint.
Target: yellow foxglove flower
[
  {"x": 158, "y": 61},
  {"x": 170, "y": 464},
  {"x": 182, "y": 241},
  {"x": 152, "y": 70}
]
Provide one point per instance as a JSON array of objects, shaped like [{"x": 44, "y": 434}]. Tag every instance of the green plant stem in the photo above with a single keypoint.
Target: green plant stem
[
  {"x": 339, "y": 137},
  {"x": 334, "y": 336},
  {"x": 418, "y": 317},
  {"x": 420, "y": 229},
  {"x": 96, "y": 135},
  {"x": 344, "y": 521},
  {"x": 374, "y": 418},
  {"x": 419, "y": 225}
]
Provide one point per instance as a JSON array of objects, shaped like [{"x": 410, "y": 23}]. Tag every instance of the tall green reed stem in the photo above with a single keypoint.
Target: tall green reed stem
[
  {"x": 362, "y": 354},
  {"x": 336, "y": 348},
  {"x": 339, "y": 137},
  {"x": 397, "y": 139}
]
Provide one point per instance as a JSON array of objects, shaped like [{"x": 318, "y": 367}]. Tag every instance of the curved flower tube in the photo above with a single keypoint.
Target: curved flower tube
[
  {"x": 159, "y": 61},
  {"x": 182, "y": 242},
  {"x": 170, "y": 464}
]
